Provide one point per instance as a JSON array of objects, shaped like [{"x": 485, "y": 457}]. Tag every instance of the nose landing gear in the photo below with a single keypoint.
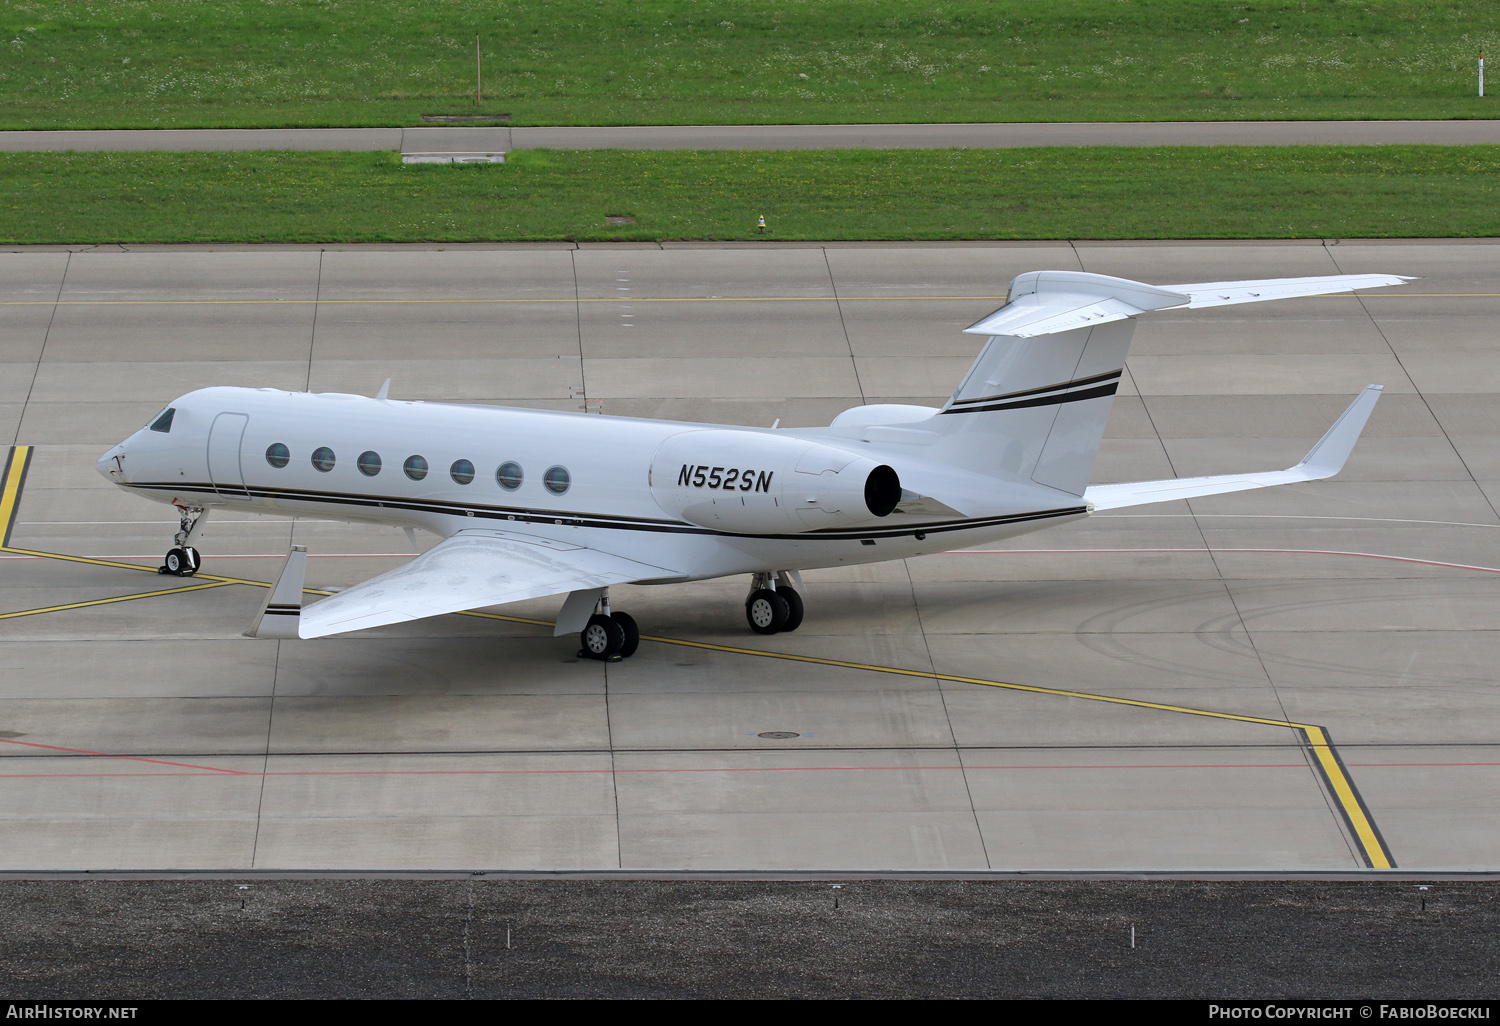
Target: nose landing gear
[
  {"x": 772, "y": 606},
  {"x": 182, "y": 560}
]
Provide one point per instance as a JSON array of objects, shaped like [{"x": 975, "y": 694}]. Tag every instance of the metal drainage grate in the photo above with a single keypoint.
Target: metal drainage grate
[
  {"x": 619, "y": 219},
  {"x": 778, "y": 735}
]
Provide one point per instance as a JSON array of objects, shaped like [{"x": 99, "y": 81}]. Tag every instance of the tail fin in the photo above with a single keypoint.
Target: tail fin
[{"x": 1035, "y": 402}]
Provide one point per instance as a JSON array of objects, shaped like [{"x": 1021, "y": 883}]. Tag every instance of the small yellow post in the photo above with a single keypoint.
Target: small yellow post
[{"x": 761, "y": 226}]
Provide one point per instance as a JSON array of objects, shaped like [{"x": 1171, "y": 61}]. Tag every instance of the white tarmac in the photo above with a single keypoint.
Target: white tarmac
[{"x": 1147, "y": 690}]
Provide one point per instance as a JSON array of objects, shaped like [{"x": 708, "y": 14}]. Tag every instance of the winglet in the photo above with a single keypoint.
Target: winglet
[
  {"x": 1327, "y": 457},
  {"x": 385, "y": 390},
  {"x": 282, "y": 612}
]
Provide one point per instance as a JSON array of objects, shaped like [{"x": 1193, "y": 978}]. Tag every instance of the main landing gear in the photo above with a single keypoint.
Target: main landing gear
[
  {"x": 609, "y": 636},
  {"x": 772, "y": 606},
  {"x": 182, "y": 560}
]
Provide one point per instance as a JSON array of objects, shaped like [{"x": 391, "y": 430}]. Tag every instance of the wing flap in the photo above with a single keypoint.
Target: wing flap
[{"x": 467, "y": 571}]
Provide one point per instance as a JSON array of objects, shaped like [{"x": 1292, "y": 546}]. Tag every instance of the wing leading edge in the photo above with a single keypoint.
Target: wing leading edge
[
  {"x": 467, "y": 571},
  {"x": 1324, "y": 460}
]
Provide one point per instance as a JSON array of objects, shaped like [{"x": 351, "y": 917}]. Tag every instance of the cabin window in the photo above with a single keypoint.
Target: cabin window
[
  {"x": 415, "y": 467},
  {"x": 368, "y": 463},
  {"x": 277, "y": 455},
  {"x": 462, "y": 472},
  {"x": 323, "y": 459},
  {"x": 164, "y": 422},
  {"x": 509, "y": 476},
  {"x": 557, "y": 480}
]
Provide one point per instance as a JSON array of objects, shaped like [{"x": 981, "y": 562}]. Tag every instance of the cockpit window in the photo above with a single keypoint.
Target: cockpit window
[{"x": 164, "y": 422}]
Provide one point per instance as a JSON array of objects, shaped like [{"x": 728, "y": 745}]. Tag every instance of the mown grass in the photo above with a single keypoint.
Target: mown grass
[
  {"x": 1044, "y": 193},
  {"x": 184, "y": 63}
]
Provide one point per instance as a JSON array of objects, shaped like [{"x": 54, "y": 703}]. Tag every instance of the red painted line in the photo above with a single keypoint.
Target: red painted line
[
  {"x": 1404, "y": 765},
  {"x": 127, "y": 758},
  {"x": 1294, "y": 552}
]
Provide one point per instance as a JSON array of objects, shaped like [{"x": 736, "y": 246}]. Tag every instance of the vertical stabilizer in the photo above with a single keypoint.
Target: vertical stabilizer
[
  {"x": 1036, "y": 407},
  {"x": 282, "y": 612}
]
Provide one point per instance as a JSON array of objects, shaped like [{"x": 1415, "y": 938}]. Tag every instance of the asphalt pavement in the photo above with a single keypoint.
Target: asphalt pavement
[{"x": 485, "y": 938}]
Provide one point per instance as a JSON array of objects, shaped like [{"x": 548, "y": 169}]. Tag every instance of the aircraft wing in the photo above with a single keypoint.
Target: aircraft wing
[
  {"x": 1325, "y": 460},
  {"x": 469, "y": 570}
]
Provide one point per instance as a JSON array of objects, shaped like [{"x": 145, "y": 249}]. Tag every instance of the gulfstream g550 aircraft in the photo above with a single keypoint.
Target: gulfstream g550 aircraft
[{"x": 531, "y": 503}]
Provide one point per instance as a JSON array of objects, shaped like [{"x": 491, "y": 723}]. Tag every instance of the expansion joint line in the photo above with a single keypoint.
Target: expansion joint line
[{"x": 1314, "y": 738}]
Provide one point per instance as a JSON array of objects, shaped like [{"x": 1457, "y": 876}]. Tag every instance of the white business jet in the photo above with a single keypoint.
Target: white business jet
[{"x": 531, "y": 503}]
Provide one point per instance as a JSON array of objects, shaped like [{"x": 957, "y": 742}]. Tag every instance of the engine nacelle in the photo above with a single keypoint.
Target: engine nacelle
[{"x": 749, "y": 482}]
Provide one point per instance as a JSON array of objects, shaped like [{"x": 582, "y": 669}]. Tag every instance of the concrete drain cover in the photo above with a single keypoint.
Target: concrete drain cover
[
  {"x": 462, "y": 119},
  {"x": 778, "y": 735},
  {"x": 453, "y": 158},
  {"x": 619, "y": 219}
]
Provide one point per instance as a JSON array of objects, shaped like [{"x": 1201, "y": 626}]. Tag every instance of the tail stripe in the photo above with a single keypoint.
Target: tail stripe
[
  {"x": 1113, "y": 375},
  {"x": 1098, "y": 392}
]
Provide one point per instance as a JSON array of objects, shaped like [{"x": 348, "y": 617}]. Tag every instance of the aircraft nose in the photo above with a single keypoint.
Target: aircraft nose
[{"x": 112, "y": 464}]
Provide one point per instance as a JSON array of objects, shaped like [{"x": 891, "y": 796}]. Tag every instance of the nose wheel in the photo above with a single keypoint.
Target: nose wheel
[
  {"x": 182, "y": 560},
  {"x": 772, "y": 608}
]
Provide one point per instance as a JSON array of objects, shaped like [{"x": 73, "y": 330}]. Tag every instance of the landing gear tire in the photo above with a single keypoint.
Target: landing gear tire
[
  {"x": 604, "y": 638},
  {"x": 794, "y": 608},
  {"x": 766, "y": 611},
  {"x": 632, "y": 633},
  {"x": 181, "y": 562}
]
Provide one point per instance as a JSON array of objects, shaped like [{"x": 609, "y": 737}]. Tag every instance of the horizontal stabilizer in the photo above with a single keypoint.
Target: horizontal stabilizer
[
  {"x": 1051, "y": 302},
  {"x": 1324, "y": 460},
  {"x": 1225, "y": 293},
  {"x": 470, "y": 570}
]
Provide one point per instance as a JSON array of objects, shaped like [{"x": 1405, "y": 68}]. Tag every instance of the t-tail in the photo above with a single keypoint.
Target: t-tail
[{"x": 1035, "y": 402}]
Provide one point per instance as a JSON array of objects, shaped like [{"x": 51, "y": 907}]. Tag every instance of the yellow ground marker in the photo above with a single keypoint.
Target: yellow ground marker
[{"x": 1329, "y": 766}]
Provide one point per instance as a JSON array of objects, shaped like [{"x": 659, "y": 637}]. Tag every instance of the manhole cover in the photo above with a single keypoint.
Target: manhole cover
[{"x": 778, "y": 735}]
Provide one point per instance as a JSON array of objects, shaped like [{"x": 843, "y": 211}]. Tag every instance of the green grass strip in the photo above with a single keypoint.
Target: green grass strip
[
  {"x": 1043, "y": 193},
  {"x": 270, "y": 63}
]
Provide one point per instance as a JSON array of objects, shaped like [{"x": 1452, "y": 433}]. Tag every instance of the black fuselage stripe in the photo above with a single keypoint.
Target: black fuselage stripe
[
  {"x": 1098, "y": 392},
  {"x": 570, "y": 519},
  {"x": 1076, "y": 383}
]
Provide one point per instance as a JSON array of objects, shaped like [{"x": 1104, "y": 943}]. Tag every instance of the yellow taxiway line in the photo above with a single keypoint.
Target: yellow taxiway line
[
  {"x": 117, "y": 598},
  {"x": 1326, "y": 761}
]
